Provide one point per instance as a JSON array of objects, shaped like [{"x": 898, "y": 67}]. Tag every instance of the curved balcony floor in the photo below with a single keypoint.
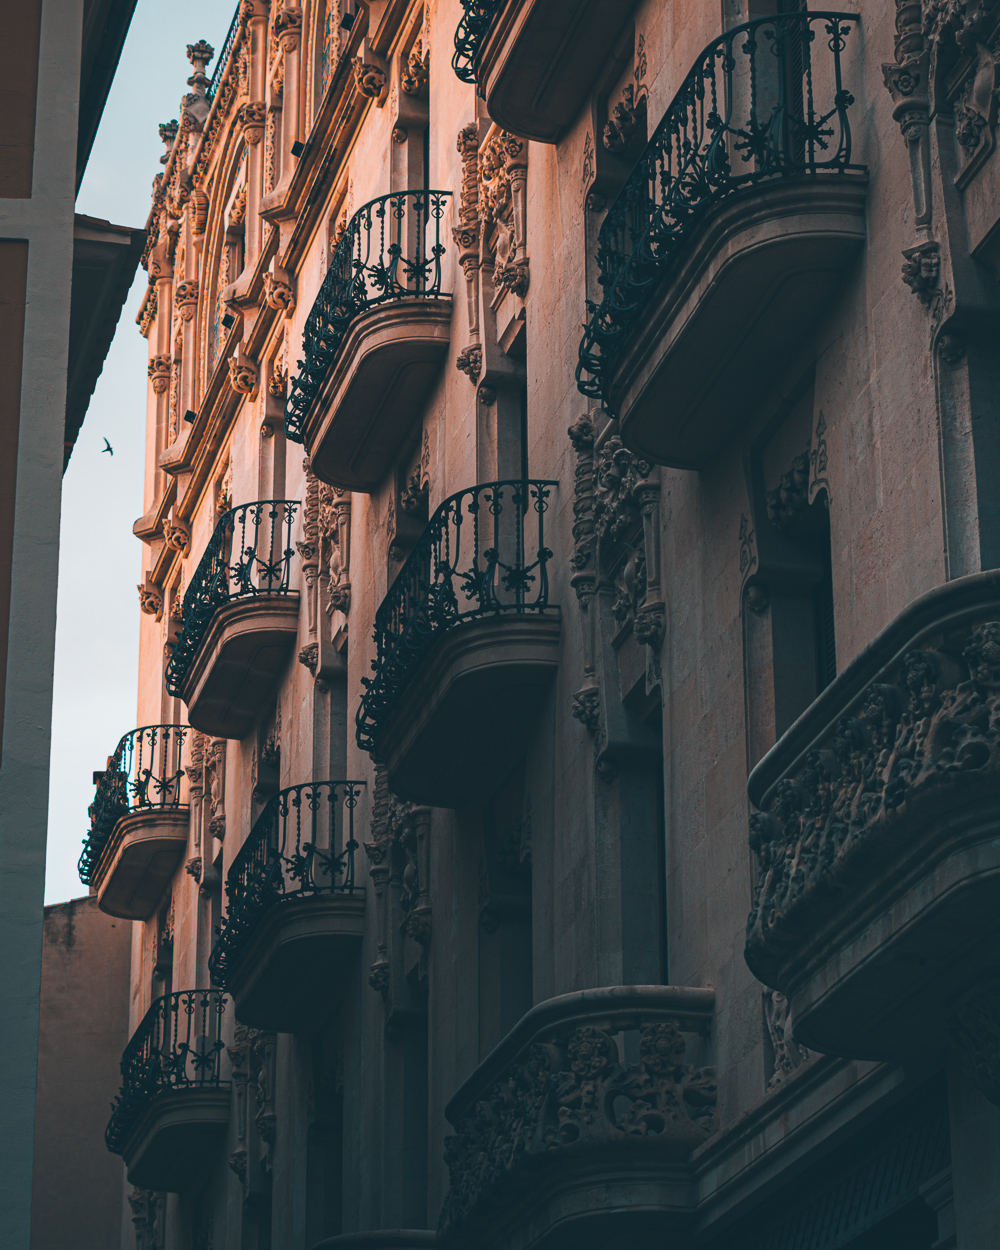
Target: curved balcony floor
[{"x": 173, "y": 1144}]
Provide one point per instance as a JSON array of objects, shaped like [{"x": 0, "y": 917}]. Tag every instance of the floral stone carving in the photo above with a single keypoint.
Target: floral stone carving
[
  {"x": 920, "y": 739},
  {"x": 571, "y": 1092}
]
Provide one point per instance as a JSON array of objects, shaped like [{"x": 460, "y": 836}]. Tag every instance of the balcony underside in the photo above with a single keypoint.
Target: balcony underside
[
  {"x": 540, "y": 60},
  {"x": 173, "y": 1145},
  {"x": 244, "y": 651},
  {"x": 382, "y": 1239},
  {"x": 384, "y": 371},
  {"x": 715, "y": 338},
  {"x": 464, "y": 718},
  {"x": 292, "y": 970},
  {"x": 878, "y": 861},
  {"x": 141, "y": 857},
  {"x": 883, "y": 983}
]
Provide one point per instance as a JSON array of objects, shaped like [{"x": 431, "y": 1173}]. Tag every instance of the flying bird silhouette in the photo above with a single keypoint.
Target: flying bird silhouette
[{"x": 107, "y": 447}]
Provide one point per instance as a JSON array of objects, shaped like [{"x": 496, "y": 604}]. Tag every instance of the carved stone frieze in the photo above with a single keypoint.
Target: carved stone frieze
[
  {"x": 926, "y": 732},
  {"x": 571, "y": 1091}
]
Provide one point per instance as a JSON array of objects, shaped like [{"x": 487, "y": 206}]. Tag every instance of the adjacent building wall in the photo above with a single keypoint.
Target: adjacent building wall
[{"x": 83, "y": 1027}]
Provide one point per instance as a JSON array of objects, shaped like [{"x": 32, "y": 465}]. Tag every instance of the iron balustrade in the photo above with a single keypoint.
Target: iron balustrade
[
  {"x": 391, "y": 250},
  {"x": 248, "y": 555},
  {"x": 474, "y": 26},
  {"x": 301, "y": 845},
  {"x": 747, "y": 113},
  {"x": 224, "y": 55},
  {"x": 143, "y": 774},
  {"x": 473, "y": 560},
  {"x": 177, "y": 1046}
]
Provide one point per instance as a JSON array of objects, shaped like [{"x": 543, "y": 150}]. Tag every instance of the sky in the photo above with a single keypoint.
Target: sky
[{"x": 97, "y": 627}]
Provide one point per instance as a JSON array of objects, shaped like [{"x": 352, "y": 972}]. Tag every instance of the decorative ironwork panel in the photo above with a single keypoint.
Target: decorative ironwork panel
[
  {"x": 301, "y": 845},
  {"x": 177, "y": 1046},
  {"x": 391, "y": 250},
  {"x": 249, "y": 555},
  {"x": 477, "y": 18},
  {"x": 224, "y": 55},
  {"x": 144, "y": 773},
  {"x": 766, "y": 100},
  {"x": 482, "y": 554}
]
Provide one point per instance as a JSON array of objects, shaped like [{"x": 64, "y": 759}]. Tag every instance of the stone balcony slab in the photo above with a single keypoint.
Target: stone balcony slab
[
  {"x": 459, "y": 725},
  {"x": 386, "y": 367},
  {"x": 758, "y": 275},
  {"x": 139, "y": 860},
  {"x": 241, "y": 656},
  {"x": 539, "y": 59},
  {"x": 173, "y": 1144},
  {"x": 874, "y": 830},
  {"x": 291, "y": 974}
]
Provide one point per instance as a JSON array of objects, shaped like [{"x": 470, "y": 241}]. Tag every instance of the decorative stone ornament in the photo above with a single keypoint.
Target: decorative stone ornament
[
  {"x": 371, "y": 79},
  {"x": 159, "y": 373},
  {"x": 243, "y": 375},
  {"x": 150, "y": 598},
  {"x": 186, "y": 299},
  {"x": 252, "y": 117},
  {"x": 278, "y": 293},
  {"x": 176, "y": 534}
]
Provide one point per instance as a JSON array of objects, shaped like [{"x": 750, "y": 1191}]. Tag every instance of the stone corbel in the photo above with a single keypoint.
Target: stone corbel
[
  {"x": 186, "y": 299},
  {"x": 158, "y": 370},
  {"x": 371, "y": 75},
  {"x": 150, "y": 597},
  {"x": 243, "y": 374},
  {"x": 176, "y": 533},
  {"x": 252, "y": 117},
  {"x": 279, "y": 290}
]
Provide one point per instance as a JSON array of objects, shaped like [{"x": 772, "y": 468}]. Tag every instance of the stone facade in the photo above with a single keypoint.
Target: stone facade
[{"x": 553, "y": 426}]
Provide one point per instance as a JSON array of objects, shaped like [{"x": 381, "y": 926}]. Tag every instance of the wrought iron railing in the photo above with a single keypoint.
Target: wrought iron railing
[
  {"x": 224, "y": 55},
  {"x": 248, "y": 555},
  {"x": 482, "y": 554},
  {"x": 477, "y": 18},
  {"x": 144, "y": 773},
  {"x": 301, "y": 845},
  {"x": 763, "y": 101},
  {"x": 177, "y": 1046},
  {"x": 390, "y": 250}
]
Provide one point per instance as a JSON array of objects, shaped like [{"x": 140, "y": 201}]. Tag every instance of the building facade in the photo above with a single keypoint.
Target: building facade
[
  {"x": 564, "y": 808},
  {"x": 63, "y": 280}
]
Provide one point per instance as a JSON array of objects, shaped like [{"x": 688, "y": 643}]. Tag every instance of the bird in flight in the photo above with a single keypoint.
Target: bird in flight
[{"x": 107, "y": 447}]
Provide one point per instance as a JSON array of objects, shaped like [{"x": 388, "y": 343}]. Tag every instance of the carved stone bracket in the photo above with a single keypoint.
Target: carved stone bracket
[
  {"x": 243, "y": 375},
  {"x": 150, "y": 597},
  {"x": 186, "y": 299},
  {"x": 159, "y": 373},
  {"x": 279, "y": 292}
]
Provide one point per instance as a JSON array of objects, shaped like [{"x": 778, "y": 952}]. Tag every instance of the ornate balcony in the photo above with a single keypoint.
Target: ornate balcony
[
  {"x": 534, "y": 61},
  {"x": 576, "y": 1130},
  {"x": 465, "y": 642},
  {"x": 171, "y": 1115},
  {"x": 240, "y": 618},
  {"x": 295, "y": 916},
  {"x": 729, "y": 240},
  {"x": 374, "y": 340},
  {"x": 877, "y": 903},
  {"x": 139, "y": 825}
]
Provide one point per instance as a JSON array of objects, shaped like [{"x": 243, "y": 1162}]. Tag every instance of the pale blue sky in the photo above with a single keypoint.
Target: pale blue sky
[{"x": 99, "y": 560}]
